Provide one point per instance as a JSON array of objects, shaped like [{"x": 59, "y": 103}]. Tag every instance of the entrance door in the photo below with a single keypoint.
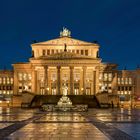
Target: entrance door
[
  {"x": 53, "y": 91},
  {"x": 76, "y": 91},
  {"x": 88, "y": 91}
]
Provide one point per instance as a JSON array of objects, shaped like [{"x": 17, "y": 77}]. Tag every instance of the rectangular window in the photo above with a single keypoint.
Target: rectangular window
[
  {"x": 100, "y": 76},
  {"x": 122, "y": 80},
  {"x": 25, "y": 76},
  {"x": 20, "y": 76},
  {"x": 126, "y": 88},
  {"x": 48, "y": 52},
  {"x": 86, "y": 52},
  {"x": 130, "y": 88},
  {"x": 43, "y": 52},
  {"x": 110, "y": 77},
  {"x": 12, "y": 80},
  {"x": 130, "y": 81},
  {"x": 82, "y": 52},
  {"x": 73, "y": 51},
  {"x": 126, "y": 81},
  {"x": 29, "y": 76},
  {"x": 8, "y": 80},
  {"x": 105, "y": 76},
  {"x": 77, "y": 51},
  {"x": 119, "y": 89},
  {"x": 4, "y": 80}
]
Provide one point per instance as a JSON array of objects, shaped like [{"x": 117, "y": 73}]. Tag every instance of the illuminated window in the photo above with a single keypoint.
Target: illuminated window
[
  {"x": 25, "y": 76},
  {"x": 8, "y": 92},
  {"x": 29, "y": 76},
  {"x": 109, "y": 85},
  {"x": 105, "y": 76},
  {"x": 8, "y": 80},
  {"x": 100, "y": 76},
  {"x": 125, "y": 92},
  {"x": 110, "y": 77},
  {"x": 109, "y": 91},
  {"x": 126, "y": 81},
  {"x": 119, "y": 92},
  {"x": 20, "y": 76},
  {"x": 4, "y": 80},
  {"x": 122, "y": 80},
  {"x": 130, "y": 81}
]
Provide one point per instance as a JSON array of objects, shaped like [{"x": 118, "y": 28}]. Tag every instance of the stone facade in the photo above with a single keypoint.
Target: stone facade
[{"x": 77, "y": 64}]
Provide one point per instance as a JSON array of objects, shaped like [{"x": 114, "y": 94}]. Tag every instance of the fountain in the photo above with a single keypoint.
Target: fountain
[{"x": 64, "y": 104}]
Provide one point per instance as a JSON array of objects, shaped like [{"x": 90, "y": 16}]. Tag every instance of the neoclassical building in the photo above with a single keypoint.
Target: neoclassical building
[{"x": 76, "y": 64}]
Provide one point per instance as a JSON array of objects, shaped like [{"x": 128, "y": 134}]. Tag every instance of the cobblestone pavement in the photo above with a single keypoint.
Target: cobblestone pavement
[{"x": 96, "y": 124}]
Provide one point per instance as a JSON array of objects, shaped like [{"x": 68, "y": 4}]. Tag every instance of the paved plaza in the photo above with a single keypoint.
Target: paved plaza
[{"x": 96, "y": 124}]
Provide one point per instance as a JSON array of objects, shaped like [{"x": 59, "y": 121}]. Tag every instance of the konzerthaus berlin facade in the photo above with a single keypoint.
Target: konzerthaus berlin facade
[{"x": 73, "y": 62}]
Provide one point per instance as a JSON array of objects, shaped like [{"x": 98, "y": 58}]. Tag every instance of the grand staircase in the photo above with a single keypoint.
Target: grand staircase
[{"x": 89, "y": 100}]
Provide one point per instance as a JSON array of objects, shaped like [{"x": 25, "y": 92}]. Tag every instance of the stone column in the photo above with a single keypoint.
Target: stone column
[
  {"x": 46, "y": 79},
  {"x": 15, "y": 83},
  {"x": 34, "y": 81},
  {"x": 84, "y": 80},
  {"x": 58, "y": 79},
  {"x": 71, "y": 80},
  {"x": 94, "y": 82},
  {"x": 97, "y": 81}
]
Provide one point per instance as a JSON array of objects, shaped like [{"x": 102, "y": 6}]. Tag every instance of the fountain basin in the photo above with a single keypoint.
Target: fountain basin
[{"x": 73, "y": 108}]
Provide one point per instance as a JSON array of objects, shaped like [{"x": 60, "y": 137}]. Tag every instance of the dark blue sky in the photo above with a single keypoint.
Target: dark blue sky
[{"x": 115, "y": 24}]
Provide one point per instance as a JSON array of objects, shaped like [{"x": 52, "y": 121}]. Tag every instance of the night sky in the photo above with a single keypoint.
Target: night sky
[{"x": 115, "y": 24}]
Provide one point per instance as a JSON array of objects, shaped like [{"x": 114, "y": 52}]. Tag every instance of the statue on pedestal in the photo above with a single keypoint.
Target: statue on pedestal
[{"x": 65, "y": 90}]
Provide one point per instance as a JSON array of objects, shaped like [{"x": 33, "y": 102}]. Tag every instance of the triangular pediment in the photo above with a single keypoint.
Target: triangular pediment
[{"x": 65, "y": 40}]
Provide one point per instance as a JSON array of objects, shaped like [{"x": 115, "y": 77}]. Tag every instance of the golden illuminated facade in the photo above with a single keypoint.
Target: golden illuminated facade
[{"x": 77, "y": 64}]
